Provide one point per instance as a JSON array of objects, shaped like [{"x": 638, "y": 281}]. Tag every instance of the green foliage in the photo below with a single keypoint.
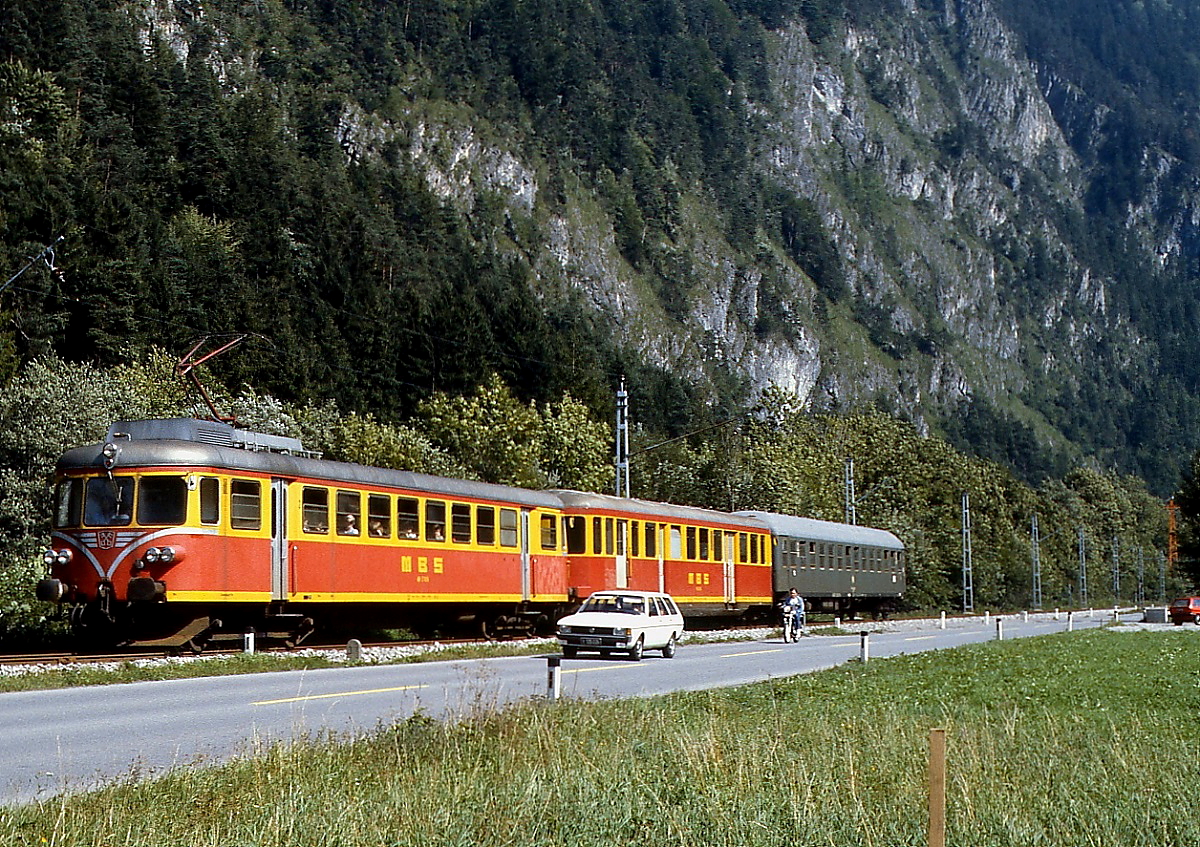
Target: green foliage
[{"x": 574, "y": 447}]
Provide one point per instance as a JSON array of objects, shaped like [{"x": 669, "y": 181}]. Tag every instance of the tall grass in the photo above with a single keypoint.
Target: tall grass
[{"x": 1074, "y": 739}]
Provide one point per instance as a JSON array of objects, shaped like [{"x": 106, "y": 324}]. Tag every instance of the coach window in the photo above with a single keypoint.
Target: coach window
[
  {"x": 743, "y": 548},
  {"x": 485, "y": 525},
  {"x": 718, "y": 543},
  {"x": 609, "y": 546},
  {"x": 435, "y": 520},
  {"x": 315, "y": 509},
  {"x": 549, "y": 526},
  {"x": 210, "y": 500},
  {"x": 597, "y": 537},
  {"x": 691, "y": 543},
  {"x": 408, "y": 518},
  {"x": 755, "y": 548},
  {"x": 676, "y": 543},
  {"x": 704, "y": 548},
  {"x": 245, "y": 504},
  {"x": 635, "y": 532},
  {"x": 349, "y": 513},
  {"x": 69, "y": 497},
  {"x": 460, "y": 523},
  {"x": 651, "y": 541},
  {"x": 379, "y": 516},
  {"x": 508, "y": 527},
  {"x": 576, "y": 530}
]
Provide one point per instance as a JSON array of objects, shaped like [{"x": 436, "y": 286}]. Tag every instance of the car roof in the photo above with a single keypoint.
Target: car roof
[{"x": 627, "y": 592}]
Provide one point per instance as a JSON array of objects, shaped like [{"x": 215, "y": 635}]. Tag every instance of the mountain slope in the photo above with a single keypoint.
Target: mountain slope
[{"x": 959, "y": 211}]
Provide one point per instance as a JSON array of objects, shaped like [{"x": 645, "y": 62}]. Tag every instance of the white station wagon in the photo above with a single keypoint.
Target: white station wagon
[{"x": 621, "y": 621}]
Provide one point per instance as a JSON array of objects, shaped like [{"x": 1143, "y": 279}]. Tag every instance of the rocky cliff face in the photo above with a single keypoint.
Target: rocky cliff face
[
  {"x": 936, "y": 154},
  {"x": 947, "y": 168}
]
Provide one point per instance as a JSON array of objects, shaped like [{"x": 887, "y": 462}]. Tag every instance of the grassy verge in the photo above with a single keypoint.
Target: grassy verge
[{"x": 1076, "y": 739}]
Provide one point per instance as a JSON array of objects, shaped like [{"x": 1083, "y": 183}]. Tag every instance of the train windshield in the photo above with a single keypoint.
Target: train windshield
[
  {"x": 109, "y": 502},
  {"x": 161, "y": 501}
]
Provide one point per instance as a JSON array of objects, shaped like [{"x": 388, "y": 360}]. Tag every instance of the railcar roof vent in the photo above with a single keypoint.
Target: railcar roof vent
[{"x": 207, "y": 432}]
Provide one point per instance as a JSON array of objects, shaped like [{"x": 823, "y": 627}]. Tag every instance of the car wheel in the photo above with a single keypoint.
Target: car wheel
[
  {"x": 669, "y": 650},
  {"x": 570, "y": 652},
  {"x": 638, "y": 649}
]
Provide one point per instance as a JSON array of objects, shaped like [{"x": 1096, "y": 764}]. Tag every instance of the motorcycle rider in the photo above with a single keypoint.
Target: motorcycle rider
[{"x": 793, "y": 604}]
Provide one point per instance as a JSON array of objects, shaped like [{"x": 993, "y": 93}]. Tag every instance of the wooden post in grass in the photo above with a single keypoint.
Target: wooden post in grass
[{"x": 937, "y": 788}]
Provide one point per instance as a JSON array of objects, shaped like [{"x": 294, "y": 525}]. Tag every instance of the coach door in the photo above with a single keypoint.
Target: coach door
[
  {"x": 526, "y": 579},
  {"x": 727, "y": 543},
  {"x": 622, "y": 560},
  {"x": 279, "y": 540}
]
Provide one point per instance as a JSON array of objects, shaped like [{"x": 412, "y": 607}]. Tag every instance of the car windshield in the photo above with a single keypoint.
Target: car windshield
[{"x": 626, "y": 604}]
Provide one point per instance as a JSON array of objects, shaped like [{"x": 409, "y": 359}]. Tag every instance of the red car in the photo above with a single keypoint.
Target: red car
[{"x": 1185, "y": 609}]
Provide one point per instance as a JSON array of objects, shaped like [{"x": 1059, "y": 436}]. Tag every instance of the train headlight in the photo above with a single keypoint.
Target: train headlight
[
  {"x": 56, "y": 557},
  {"x": 151, "y": 556},
  {"x": 166, "y": 555},
  {"x": 109, "y": 453}
]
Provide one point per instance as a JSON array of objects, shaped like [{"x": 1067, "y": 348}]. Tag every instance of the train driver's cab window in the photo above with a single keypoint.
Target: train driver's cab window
[
  {"x": 460, "y": 523},
  {"x": 349, "y": 513},
  {"x": 162, "y": 501},
  {"x": 245, "y": 504},
  {"x": 210, "y": 500},
  {"x": 315, "y": 506},
  {"x": 407, "y": 518},
  {"x": 485, "y": 525},
  {"x": 379, "y": 516},
  {"x": 109, "y": 502},
  {"x": 68, "y": 498},
  {"x": 576, "y": 530},
  {"x": 549, "y": 526},
  {"x": 508, "y": 527},
  {"x": 435, "y": 520}
]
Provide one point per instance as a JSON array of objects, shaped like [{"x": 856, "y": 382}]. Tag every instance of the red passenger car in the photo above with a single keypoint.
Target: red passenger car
[{"x": 711, "y": 562}]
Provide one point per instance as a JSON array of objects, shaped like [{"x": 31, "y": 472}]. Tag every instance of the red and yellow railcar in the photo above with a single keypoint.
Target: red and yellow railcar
[
  {"x": 182, "y": 526},
  {"x": 711, "y": 562}
]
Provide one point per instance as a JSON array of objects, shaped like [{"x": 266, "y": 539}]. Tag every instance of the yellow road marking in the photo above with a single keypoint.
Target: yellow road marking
[{"x": 330, "y": 696}]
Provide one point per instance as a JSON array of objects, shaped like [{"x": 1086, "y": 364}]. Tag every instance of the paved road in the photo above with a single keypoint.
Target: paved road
[{"x": 73, "y": 739}]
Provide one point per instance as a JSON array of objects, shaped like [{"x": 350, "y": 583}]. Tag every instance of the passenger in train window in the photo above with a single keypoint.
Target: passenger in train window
[
  {"x": 375, "y": 527},
  {"x": 349, "y": 526}
]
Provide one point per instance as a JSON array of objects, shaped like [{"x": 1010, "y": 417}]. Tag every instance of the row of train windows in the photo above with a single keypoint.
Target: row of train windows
[
  {"x": 830, "y": 556},
  {"x": 420, "y": 519},
  {"x": 613, "y": 536}
]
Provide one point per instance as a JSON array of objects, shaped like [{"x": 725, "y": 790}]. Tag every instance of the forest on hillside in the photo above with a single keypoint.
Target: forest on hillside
[{"x": 195, "y": 159}]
